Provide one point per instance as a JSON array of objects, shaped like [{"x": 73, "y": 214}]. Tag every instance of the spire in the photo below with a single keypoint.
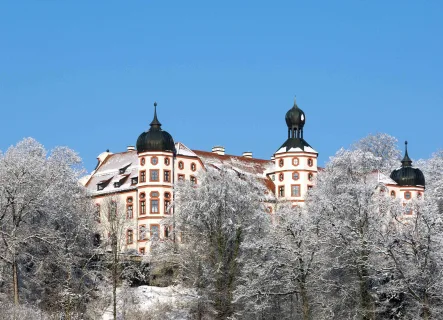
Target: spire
[
  {"x": 155, "y": 123},
  {"x": 295, "y": 102},
  {"x": 406, "y": 162}
]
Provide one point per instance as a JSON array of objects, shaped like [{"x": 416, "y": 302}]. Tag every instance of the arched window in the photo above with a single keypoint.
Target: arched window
[
  {"x": 193, "y": 166},
  {"x": 129, "y": 208},
  {"x": 295, "y": 161},
  {"x": 97, "y": 213},
  {"x": 142, "y": 161},
  {"x": 295, "y": 175},
  {"x": 154, "y": 160},
  {"x": 281, "y": 177},
  {"x": 392, "y": 194},
  {"x": 281, "y": 162},
  {"x": 142, "y": 203},
  {"x": 142, "y": 232},
  {"x": 154, "y": 202},
  {"x": 181, "y": 165},
  {"x": 310, "y": 176},
  {"x": 167, "y": 161},
  {"x": 310, "y": 162},
  {"x": 167, "y": 202},
  {"x": 129, "y": 236},
  {"x": 407, "y": 195}
]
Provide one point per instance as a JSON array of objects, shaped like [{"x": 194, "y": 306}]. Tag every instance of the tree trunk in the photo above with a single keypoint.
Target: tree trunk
[
  {"x": 15, "y": 280},
  {"x": 114, "y": 277},
  {"x": 426, "y": 313},
  {"x": 365, "y": 296},
  {"x": 305, "y": 302}
]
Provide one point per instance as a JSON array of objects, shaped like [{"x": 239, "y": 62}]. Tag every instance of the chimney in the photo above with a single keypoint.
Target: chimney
[
  {"x": 247, "y": 154},
  {"x": 219, "y": 150},
  {"x": 131, "y": 148},
  {"x": 272, "y": 158}
]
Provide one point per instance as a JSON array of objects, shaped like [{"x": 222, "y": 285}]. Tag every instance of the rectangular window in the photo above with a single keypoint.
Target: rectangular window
[
  {"x": 295, "y": 190},
  {"x": 142, "y": 232},
  {"x": 142, "y": 207},
  {"x": 167, "y": 176},
  {"x": 166, "y": 232},
  {"x": 142, "y": 250},
  {"x": 97, "y": 213},
  {"x": 129, "y": 211},
  {"x": 154, "y": 205},
  {"x": 155, "y": 230},
  {"x": 281, "y": 191},
  {"x": 153, "y": 175},
  {"x": 167, "y": 204},
  {"x": 193, "y": 180},
  {"x": 130, "y": 237},
  {"x": 181, "y": 177},
  {"x": 112, "y": 211},
  {"x": 143, "y": 176}
]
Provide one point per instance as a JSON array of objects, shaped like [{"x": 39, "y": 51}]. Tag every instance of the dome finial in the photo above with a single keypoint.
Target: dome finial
[
  {"x": 295, "y": 101},
  {"x": 155, "y": 123},
  {"x": 406, "y": 162}
]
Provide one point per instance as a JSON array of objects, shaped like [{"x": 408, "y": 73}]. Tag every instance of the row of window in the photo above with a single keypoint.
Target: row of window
[
  {"x": 296, "y": 162},
  {"x": 407, "y": 195},
  {"x": 167, "y": 161},
  {"x": 154, "y": 176},
  {"x": 295, "y": 176},
  {"x": 295, "y": 190},
  {"x": 154, "y": 161},
  {"x": 154, "y": 231},
  {"x": 154, "y": 205}
]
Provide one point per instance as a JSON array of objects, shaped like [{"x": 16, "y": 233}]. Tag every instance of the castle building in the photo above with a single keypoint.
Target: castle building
[{"x": 141, "y": 179}]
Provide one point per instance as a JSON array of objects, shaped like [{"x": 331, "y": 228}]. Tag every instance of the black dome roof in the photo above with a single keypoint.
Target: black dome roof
[
  {"x": 155, "y": 139},
  {"x": 407, "y": 175},
  {"x": 295, "y": 117}
]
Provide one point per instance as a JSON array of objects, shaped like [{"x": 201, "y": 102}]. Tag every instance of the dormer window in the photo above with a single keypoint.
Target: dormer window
[
  {"x": 102, "y": 184},
  {"x": 117, "y": 184},
  {"x": 122, "y": 170},
  {"x": 134, "y": 180}
]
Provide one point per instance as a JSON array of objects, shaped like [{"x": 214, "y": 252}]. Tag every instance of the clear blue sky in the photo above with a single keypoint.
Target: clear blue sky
[{"x": 85, "y": 73}]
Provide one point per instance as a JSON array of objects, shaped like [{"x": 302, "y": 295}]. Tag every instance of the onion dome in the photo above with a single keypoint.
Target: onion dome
[
  {"x": 295, "y": 117},
  {"x": 155, "y": 139},
  {"x": 407, "y": 175}
]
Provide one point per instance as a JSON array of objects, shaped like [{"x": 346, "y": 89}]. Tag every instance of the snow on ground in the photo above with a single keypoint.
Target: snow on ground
[{"x": 146, "y": 298}]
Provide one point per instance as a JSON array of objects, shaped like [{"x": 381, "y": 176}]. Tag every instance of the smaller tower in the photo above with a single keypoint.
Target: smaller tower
[
  {"x": 410, "y": 182},
  {"x": 156, "y": 151},
  {"x": 295, "y": 162},
  {"x": 407, "y": 175}
]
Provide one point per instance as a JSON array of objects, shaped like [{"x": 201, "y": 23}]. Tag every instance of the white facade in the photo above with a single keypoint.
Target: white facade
[{"x": 142, "y": 183}]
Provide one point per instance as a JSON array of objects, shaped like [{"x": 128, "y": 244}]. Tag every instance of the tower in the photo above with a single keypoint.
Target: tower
[
  {"x": 295, "y": 162},
  {"x": 156, "y": 152}
]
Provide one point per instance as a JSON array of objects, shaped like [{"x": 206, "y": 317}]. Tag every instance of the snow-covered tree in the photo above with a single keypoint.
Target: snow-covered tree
[
  {"x": 114, "y": 224},
  {"x": 45, "y": 229},
  {"x": 381, "y": 145},
  {"x": 281, "y": 277},
  {"x": 212, "y": 219},
  {"x": 413, "y": 246},
  {"x": 351, "y": 210}
]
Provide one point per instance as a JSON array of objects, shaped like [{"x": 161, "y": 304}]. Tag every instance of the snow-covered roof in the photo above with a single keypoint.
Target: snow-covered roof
[
  {"x": 109, "y": 169},
  {"x": 183, "y": 150},
  {"x": 306, "y": 149},
  {"x": 242, "y": 165}
]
